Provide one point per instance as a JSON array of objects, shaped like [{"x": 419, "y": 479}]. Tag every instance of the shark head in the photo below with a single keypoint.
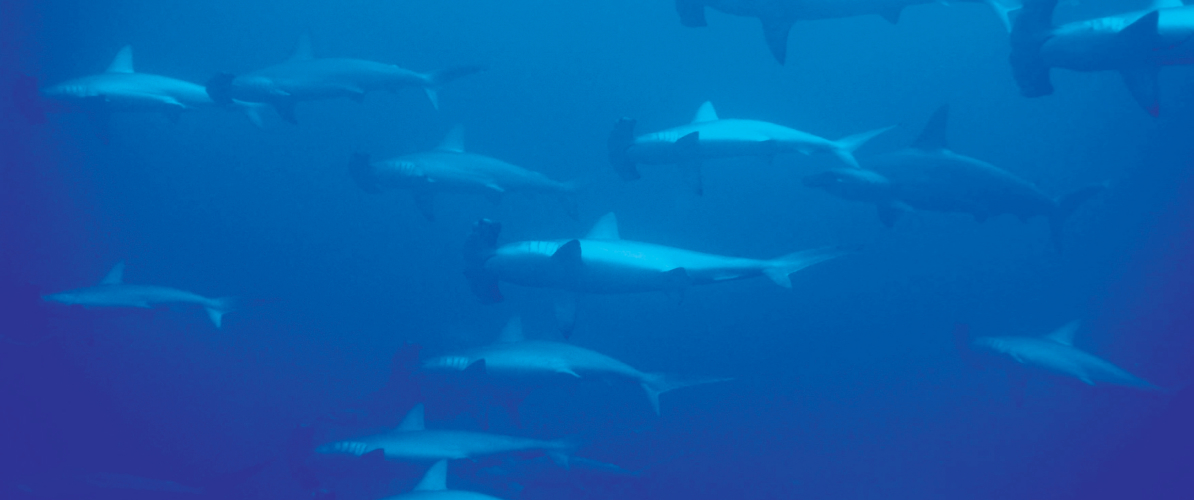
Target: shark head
[{"x": 850, "y": 183}]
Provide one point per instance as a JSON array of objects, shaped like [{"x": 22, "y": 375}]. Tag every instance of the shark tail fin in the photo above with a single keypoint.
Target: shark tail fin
[
  {"x": 444, "y": 76},
  {"x": 1003, "y": 9},
  {"x": 217, "y": 308},
  {"x": 26, "y": 99},
  {"x": 844, "y": 148},
  {"x": 219, "y": 88},
  {"x": 692, "y": 13},
  {"x": 253, "y": 113},
  {"x": 1067, "y": 204},
  {"x": 478, "y": 248},
  {"x": 781, "y": 269},
  {"x": 1028, "y": 35},
  {"x": 620, "y": 140},
  {"x": 362, "y": 173},
  {"x": 656, "y": 383}
]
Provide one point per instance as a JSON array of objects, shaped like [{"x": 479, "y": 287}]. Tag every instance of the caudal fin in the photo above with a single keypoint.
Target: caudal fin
[
  {"x": 26, "y": 99},
  {"x": 1002, "y": 10},
  {"x": 844, "y": 148},
  {"x": 478, "y": 248},
  {"x": 217, "y": 308},
  {"x": 444, "y": 76},
  {"x": 620, "y": 140},
  {"x": 781, "y": 269},
  {"x": 656, "y": 383},
  {"x": 362, "y": 173},
  {"x": 1067, "y": 205},
  {"x": 1029, "y": 33}
]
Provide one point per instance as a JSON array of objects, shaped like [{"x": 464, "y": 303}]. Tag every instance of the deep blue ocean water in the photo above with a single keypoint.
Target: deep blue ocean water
[{"x": 848, "y": 386}]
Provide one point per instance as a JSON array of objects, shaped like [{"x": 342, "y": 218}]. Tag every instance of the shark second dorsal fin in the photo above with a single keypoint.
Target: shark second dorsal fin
[
  {"x": 705, "y": 113},
  {"x": 115, "y": 276},
  {"x": 512, "y": 331},
  {"x": 302, "y": 48},
  {"x": 454, "y": 141},
  {"x": 1065, "y": 334},
  {"x": 933, "y": 136},
  {"x": 436, "y": 478},
  {"x": 413, "y": 421},
  {"x": 123, "y": 62},
  {"x": 606, "y": 228}
]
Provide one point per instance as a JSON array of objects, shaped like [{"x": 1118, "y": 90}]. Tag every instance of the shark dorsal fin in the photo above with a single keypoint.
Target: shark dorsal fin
[
  {"x": 705, "y": 113},
  {"x": 1065, "y": 334},
  {"x": 115, "y": 276},
  {"x": 413, "y": 420},
  {"x": 512, "y": 331},
  {"x": 123, "y": 62},
  {"x": 302, "y": 48},
  {"x": 454, "y": 141},
  {"x": 606, "y": 228},
  {"x": 436, "y": 478},
  {"x": 933, "y": 136}
]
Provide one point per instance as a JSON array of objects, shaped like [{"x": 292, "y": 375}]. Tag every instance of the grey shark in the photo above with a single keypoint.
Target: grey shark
[
  {"x": 778, "y": 16},
  {"x": 602, "y": 262},
  {"x": 411, "y": 441},
  {"x": 928, "y": 176},
  {"x": 449, "y": 168},
  {"x": 434, "y": 486},
  {"x": 120, "y": 89},
  {"x": 114, "y": 292},
  {"x": 1136, "y": 44},
  {"x": 515, "y": 358},
  {"x": 304, "y": 77},
  {"x": 708, "y": 137},
  {"x": 1053, "y": 354}
]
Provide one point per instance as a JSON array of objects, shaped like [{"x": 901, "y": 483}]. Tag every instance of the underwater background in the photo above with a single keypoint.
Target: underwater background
[{"x": 847, "y": 386}]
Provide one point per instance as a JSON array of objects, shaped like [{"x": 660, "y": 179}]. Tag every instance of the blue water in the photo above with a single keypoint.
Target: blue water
[{"x": 847, "y": 386}]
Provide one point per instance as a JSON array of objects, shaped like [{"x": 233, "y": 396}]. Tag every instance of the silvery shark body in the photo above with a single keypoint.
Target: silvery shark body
[
  {"x": 709, "y": 137},
  {"x": 1136, "y": 44},
  {"x": 113, "y": 292},
  {"x": 413, "y": 442},
  {"x": 515, "y": 358},
  {"x": 120, "y": 89},
  {"x": 928, "y": 176},
  {"x": 1055, "y": 355},
  {"x": 306, "y": 78},
  {"x": 778, "y": 16},
  {"x": 449, "y": 168},
  {"x": 434, "y": 486}
]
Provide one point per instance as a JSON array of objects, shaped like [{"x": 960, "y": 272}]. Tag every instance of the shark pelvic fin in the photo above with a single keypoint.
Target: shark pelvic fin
[
  {"x": 436, "y": 478},
  {"x": 1065, "y": 334},
  {"x": 413, "y": 420},
  {"x": 933, "y": 135},
  {"x": 606, "y": 228},
  {"x": 123, "y": 62},
  {"x": 512, "y": 332},
  {"x": 705, "y": 113},
  {"x": 115, "y": 276}
]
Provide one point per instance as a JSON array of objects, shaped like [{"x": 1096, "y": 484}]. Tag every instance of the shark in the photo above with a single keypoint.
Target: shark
[
  {"x": 304, "y": 77},
  {"x": 929, "y": 176},
  {"x": 515, "y": 358},
  {"x": 604, "y": 263},
  {"x": 449, "y": 168},
  {"x": 1054, "y": 354},
  {"x": 778, "y": 16},
  {"x": 707, "y": 137},
  {"x": 112, "y": 291},
  {"x": 1136, "y": 44},
  {"x": 120, "y": 89},
  {"x": 434, "y": 486},
  {"x": 411, "y": 441}
]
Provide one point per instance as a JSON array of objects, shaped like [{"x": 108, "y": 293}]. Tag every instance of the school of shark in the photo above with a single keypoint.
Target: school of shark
[{"x": 584, "y": 272}]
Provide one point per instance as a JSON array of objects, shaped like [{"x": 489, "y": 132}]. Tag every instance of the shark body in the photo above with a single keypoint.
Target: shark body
[{"x": 114, "y": 292}]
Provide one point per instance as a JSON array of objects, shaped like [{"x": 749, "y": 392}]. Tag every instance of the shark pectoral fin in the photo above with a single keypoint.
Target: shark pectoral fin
[
  {"x": 567, "y": 371},
  {"x": 565, "y": 309},
  {"x": 692, "y": 13},
  {"x": 425, "y": 201},
  {"x": 775, "y": 32},
  {"x": 1086, "y": 380},
  {"x": 356, "y": 94},
  {"x": 1142, "y": 82},
  {"x": 892, "y": 14},
  {"x": 568, "y": 260},
  {"x": 493, "y": 193},
  {"x": 688, "y": 149},
  {"x": 285, "y": 109},
  {"x": 413, "y": 421}
]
